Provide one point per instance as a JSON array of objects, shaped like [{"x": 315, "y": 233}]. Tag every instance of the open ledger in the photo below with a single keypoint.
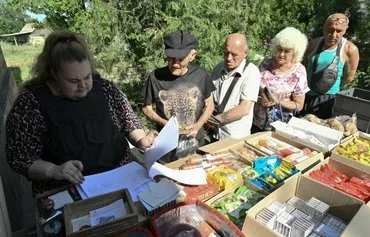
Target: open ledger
[{"x": 137, "y": 178}]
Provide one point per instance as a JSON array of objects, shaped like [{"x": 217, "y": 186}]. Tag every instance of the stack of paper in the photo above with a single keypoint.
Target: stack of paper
[
  {"x": 136, "y": 178},
  {"x": 160, "y": 194}
]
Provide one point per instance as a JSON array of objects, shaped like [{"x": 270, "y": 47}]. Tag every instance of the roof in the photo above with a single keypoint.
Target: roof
[
  {"x": 41, "y": 32},
  {"x": 28, "y": 27},
  {"x": 26, "y": 30}
]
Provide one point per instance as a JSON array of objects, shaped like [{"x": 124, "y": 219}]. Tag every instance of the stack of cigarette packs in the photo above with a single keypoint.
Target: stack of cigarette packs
[{"x": 298, "y": 218}]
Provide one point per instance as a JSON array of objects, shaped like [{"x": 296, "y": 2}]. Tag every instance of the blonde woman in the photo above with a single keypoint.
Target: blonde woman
[{"x": 283, "y": 79}]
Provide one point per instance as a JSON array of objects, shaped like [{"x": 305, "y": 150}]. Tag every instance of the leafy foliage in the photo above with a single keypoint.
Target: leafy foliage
[
  {"x": 12, "y": 19},
  {"x": 126, "y": 36}
]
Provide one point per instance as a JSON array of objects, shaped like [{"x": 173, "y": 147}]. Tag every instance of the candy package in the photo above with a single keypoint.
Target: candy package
[
  {"x": 272, "y": 172},
  {"x": 358, "y": 149},
  {"x": 224, "y": 177},
  {"x": 235, "y": 205},
  {"x": 356, "y": 187}
]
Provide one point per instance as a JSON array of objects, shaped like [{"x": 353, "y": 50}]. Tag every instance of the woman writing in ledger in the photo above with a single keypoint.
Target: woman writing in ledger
[
  {"x": 67, "y": 121},
  {"x": 283, "y": 76}
]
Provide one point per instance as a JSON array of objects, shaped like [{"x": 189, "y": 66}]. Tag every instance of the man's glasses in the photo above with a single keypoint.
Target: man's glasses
[{"x": 338, "y": 21}]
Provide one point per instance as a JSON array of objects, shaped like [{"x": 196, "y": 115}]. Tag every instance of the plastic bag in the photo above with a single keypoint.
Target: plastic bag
[
  {"x": 192, "y": 220},
  {"x": 187, "y": 146},
  {"x": 276, "y": 113},
  {"x": 350, "y": 125}
]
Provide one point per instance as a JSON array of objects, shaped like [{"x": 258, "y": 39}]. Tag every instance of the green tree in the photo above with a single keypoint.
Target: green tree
[
  {"x": 126, "y": 36},
  {"x": 12, "y": 19},
  {"x": 59, "y": 14}
]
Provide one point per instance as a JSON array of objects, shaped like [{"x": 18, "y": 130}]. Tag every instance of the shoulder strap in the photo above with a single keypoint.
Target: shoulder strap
[
  {"x": 221, "y": 107},
  {"x": 339, "y": 47},
  {"x": 318, "y": 51},
  {"x": 317, "y": 54}
]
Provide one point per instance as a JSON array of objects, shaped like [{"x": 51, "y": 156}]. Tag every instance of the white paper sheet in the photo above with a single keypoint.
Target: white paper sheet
[
  {"x": 107, "y": 213},
  {"x": 129, "y": 176},
  {"x": 77, "y": 223},
  {"x": 166, "y": 141},
  {"x": 192, "y": 177},
  {"x": 60, "y": 199}
]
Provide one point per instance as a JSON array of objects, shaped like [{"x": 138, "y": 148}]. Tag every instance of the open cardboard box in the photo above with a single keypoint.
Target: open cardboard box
[
  {"x": 302, "y": 166},
  {"x": 228, "y": 144},
  {"x": 348, "y": 161},
  {"x": 341, "y": 167},
  {"x": 330, "y": 138},
  {"x": 341, "y": 205},
  {"x": 176, "y": 164}
]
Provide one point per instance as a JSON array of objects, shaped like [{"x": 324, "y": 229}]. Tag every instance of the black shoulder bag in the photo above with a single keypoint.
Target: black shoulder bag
[{"x": 323, "y": 80}]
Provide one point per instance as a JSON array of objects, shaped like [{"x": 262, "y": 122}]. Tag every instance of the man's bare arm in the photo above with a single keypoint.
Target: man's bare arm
[
  {"x": 310, "y": 48},
  {"x": 236, "y": 113},
  {"x": 350, "y": 66},
  {"x": 153, "y": 116},
  {"x": 207, "y": 111}
]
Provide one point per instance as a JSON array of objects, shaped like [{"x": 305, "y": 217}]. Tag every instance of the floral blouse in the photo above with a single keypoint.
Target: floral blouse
[{"x": 283, "y": 87}]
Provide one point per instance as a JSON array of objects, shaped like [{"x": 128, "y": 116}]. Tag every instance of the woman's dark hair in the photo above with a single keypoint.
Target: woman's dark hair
[{"x": 59, "y": 47}]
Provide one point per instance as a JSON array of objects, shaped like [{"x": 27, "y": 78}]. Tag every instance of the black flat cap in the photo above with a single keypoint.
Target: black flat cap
[{"x": 178, "y": 44}]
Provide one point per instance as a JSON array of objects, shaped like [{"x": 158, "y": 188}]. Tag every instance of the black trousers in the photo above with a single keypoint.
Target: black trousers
[{"x": 319, "y": 105}]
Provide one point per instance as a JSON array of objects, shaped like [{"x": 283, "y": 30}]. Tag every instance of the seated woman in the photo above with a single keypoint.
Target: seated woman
[
  {"x": 67, "y": 121},
  {"x": 283, "y": 78}
]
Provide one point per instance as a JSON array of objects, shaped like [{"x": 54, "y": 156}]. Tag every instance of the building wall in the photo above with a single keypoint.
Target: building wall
[
  {"x": 16, "y": 188},
  {"x": 37, "y": 40}
]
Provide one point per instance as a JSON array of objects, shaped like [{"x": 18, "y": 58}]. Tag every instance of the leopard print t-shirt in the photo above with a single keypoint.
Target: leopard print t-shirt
[{"x": 25, "y": 127}]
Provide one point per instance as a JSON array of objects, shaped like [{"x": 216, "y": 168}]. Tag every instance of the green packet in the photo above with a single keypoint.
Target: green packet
[{"x": 236, "y": 204}]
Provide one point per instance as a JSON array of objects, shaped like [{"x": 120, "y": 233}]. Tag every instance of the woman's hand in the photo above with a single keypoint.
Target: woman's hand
[
  {"x": 147, "y": 141},
  {"x": 265, "y": 102},
  {"x": 70, "y": 170},
  {"x": 193, "y": 130}
]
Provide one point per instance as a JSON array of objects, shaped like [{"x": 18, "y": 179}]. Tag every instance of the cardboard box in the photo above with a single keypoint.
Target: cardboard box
[
  {"x": 220, "y": 145},
  {"x": 349, "y": 162},
  {"x": 176, "y": 164},
  {"x": 302, "y": 166},
  {"x": 341, "y": 205},
  {"x": 329, "y": 137},
  {"x": 82, "y": 208},
  {"x": 359, "y": 225},
  {"x": 341, "y": 167}
]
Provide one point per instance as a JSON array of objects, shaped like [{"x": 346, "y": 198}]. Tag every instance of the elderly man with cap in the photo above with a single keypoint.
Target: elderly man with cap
[
  {"x": 331, "y": 61},
  {"x": 237, "y": 85},
  {"x": 180, "y": 88}
]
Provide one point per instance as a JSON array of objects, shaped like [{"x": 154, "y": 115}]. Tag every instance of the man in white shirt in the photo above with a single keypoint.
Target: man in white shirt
[{"x": 236, "y": 112}]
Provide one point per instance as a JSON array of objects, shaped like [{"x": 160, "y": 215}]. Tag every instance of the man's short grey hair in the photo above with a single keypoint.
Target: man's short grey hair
[{"x": 291, "y": 38}]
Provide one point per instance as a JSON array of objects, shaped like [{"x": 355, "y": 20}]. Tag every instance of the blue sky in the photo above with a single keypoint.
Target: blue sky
[{"x": 38, "y": 17}]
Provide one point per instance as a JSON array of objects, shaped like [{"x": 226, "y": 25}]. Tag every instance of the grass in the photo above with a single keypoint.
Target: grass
[{"x": 21, "y": 58}]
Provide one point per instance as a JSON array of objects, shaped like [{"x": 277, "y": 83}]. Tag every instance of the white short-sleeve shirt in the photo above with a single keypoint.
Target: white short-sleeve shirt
[{"x": 246, "y": 88}]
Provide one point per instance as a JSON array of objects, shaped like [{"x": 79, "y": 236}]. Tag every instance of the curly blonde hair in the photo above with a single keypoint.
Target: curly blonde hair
[{"x": 291, "y": 38}]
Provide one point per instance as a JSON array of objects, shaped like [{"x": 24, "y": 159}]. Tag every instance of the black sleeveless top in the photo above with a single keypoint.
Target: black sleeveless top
[{"x": 81, "y": 130}]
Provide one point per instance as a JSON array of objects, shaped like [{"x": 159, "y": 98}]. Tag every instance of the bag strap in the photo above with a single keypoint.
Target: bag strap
[
  {"x": 221, "y": 107},
  {"x": 319, "y": 50}
]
